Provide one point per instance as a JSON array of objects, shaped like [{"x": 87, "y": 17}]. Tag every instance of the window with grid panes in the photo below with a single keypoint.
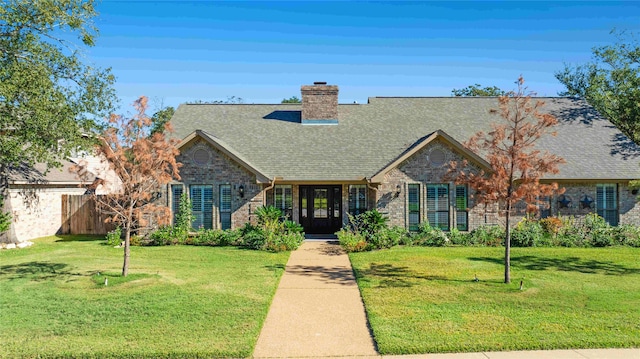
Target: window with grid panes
[
  {"x": 607, "y": 202},
  {"x": 283, "y": 199},
  {"x": 176, "y": 193},
  {"x": 462, "y": 203},
  {"x": 357, "y": 199},
  {"x": 438, "y": 206},
  {"x": 225, "y": 206},
  {"x": 202, "y": 206},
  {"x": 413, "y": 191}
]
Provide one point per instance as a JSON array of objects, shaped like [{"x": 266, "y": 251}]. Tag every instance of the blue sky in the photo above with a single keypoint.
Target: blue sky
[{"x": 178, "y": 51}]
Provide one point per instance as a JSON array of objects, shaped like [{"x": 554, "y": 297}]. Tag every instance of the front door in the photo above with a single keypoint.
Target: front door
[{"x": 321, "y": 209}]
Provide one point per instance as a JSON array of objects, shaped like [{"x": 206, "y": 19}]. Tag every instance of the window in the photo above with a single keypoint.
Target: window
[
  {"x": 202, "y": 206},
  {"x": 438, "y": 206},
  {"x": 607, "y": 203},
  {"x": 357, "y": 199},
  {"x": 414, "y": 206},
  {"x": 176, "y": 193},
  {"x": 303, "y": 202},
  {"x": 320, "y": 203},
  {"x": 283, "y": 200},
  {"x": 462, "y": 202},
  {"x": 225, "y": 206}
]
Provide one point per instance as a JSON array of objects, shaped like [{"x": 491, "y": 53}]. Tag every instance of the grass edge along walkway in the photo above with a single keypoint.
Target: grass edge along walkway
[{"x": 425, "y": 300}]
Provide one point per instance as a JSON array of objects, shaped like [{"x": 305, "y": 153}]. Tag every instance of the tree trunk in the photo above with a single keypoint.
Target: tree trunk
[
  {"x": 127, "y": 250},
  {"x": 127, "y": 241},
  {"x": 507, "y": 246}
]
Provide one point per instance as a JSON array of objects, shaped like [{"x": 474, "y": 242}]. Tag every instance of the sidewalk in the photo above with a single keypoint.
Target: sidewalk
[{"x": 317, "y": 312}]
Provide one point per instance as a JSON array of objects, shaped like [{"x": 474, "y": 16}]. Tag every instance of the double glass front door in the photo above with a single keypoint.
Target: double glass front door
[{"x": 321, "y": 208}]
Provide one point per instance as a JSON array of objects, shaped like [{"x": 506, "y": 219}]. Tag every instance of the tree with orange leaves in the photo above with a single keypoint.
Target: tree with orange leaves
[
  {"x": 144, "y": 162},
  {"x": 516, "y": 164}
]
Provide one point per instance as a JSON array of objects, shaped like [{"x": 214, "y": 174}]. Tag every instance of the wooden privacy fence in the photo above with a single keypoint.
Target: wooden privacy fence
[{"x": 80, "y": 215}]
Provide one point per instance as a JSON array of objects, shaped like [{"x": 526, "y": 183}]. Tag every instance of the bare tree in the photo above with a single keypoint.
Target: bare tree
[{"x": 516, "y": 164}]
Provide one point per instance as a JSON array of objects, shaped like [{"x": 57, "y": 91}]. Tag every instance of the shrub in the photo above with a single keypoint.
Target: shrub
[
  {"x": 544, "y": 241},
  {"x": 430, "y": 236},
  {"x": 135, "y": 240},
  {"x": 352, "y": 242},
  {"x": 627, "y": 235},
  {"x": 368, "y": 231},
  {"x": 210, "y": 237},
  {"x": 292, "y": 227},
  {"x": 278, "y": 242},
  {"x": 233, "y": 237},
  {"x": 268, "y": 217},
  {"x": 368, "y": 223},
  {"x": 492, "y": 236},
  {"x": 114, "y": 238},
  {"x": 551, "y": 225},
  {"x": 397, "y": 235},
  {"x": 386, "y": 237},
  {"x": 252, "y": 236},
  {"x": 459, "y": 238},
  {"x": 167, "y": 235},
  {"x": 526, "y": 233},
  {"x": 598, "y": 231}
]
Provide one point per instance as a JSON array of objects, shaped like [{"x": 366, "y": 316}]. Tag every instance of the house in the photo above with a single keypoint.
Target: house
[
  {"x": 320, "y": 160},
  {"x": 37, "y": 199}
]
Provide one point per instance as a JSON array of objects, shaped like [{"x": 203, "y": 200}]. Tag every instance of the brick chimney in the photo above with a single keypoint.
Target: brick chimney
[{"x": 319, "y": 104}]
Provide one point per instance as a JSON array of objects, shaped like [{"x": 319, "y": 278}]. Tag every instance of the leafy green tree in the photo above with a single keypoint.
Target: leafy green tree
[
  {"x": 229, "y": 101},
  {"x": 161, "y": 118},
  {"x": 610, "y": 83},
  {"x": 292, "y": 99},
  {"x": 478, "y": 90},
  {"x": 48, "y": 97}
]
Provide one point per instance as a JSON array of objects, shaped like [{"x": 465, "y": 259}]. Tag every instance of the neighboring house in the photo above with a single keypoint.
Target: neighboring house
[
  {"x": 35, "y": 196},
  {"x": 320, "y": 160}
]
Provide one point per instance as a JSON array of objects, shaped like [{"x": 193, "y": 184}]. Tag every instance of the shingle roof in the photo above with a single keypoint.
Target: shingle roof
[
  {"x": 38, "y": 174},
  {"x": 370, "y": 136}
]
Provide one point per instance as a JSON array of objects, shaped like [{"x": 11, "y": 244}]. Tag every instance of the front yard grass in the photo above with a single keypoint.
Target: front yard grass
[
  {"x": 425, "y": 300},
  {"x": 178, "y": 301}
]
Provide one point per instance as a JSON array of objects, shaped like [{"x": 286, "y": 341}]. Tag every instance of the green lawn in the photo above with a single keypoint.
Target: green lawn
[
  {"x": 424, "y": 300},
  {"x": 178, "y": 301}
]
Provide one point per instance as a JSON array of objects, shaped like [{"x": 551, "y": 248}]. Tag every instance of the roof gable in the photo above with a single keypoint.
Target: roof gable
[
  {"x": 221, "y": 146},
  {"x": 425, "y": 141}
]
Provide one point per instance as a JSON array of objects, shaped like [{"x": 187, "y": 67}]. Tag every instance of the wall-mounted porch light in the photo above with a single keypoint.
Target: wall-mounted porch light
[
  {"x": 241, "y": 191},
  {"x": 398, "y": 190}
]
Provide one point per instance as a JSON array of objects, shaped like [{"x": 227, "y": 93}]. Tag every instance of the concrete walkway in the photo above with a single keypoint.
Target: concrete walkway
[{"x": 317, "y": 312}]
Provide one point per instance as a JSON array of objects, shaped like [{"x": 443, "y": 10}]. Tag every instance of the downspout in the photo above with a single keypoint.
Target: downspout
[{"x": 264, "y": 198}]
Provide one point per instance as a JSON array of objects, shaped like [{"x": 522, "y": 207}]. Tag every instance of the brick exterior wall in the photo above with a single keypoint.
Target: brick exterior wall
[
  {"x": 319, "y": 102},
  {"x": 220, "y": 169},
  {"x": 39, "y": 216},
  {"x": 427, "y": 166},
  {"x": 628, "y": 210},
  {"x": 419, "y": 169}
]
